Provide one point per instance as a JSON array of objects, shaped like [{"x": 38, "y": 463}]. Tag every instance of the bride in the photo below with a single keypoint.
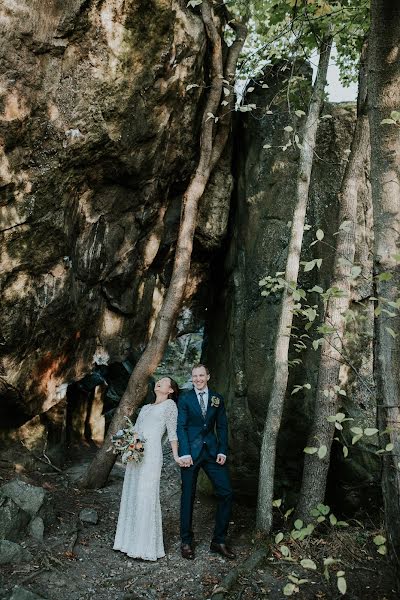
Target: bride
[{"x": 139, "y": 528}]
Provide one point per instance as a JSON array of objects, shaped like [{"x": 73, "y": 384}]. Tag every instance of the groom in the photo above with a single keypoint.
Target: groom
[{"x": 200, "y": 412}]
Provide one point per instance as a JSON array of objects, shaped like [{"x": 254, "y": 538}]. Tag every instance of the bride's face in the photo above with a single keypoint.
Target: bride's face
[{"x": 163, "y": 386}]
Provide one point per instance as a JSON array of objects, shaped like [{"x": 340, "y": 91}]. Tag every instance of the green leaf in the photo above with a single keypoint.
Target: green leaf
[
  {"x": 389, "y": 447},
  {"x": 386, "y": 276},
  {"x": 289, "y": 589},
  {"x": 288, "y": 513},
  {"x": 382, "y": 550},
  {"x": 322, "y": 451},
  {"x": 345, "y": 451},
  {"x": 320, "y": 519},
  {"x": 299, "y": 113},
  {"x": 332, "y": 519},
  {"x": 288, "y": 128},
  {"x": 310, "y": 450},
  {"x": 342, "y": 524},
  {"x": 320, "y": 234},
  {"x": 379, "y": 540},
  {"x": 355, "y": 271},
  {"x": 266, "y": 146},
  {"x": 284, "y": 550},
  {"x": 309, "y": 265},
  {"x": 298, "y": 524},
  {"x": 395, "y": 115},
  {"x": 391, "y": 332},
  {"x": 324, "y": 509},
  {"x": 330, "y": 561},
  {"x": 317, "y": 289},
  {"x": 307, "y": 563},
  {"x": 296, "y": 534},
  {"x": 356, "y": 430},
  {"x": 370, "y": 431},
  {"x": 277, "y": 502},
  {"x": 356, "y": 438},
  {"x": 342, "y": 585},
  {"x": 279, "y": 537},
  {"x": 388, "y": 122}
]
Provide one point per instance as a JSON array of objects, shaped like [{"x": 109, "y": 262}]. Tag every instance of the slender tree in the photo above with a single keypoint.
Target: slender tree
[
  {"x": 326, "y": 396},
  {"x": 281, "y": 366},
  {"x": 214, "y": 134},
  {"x": 384, "y": 104}
]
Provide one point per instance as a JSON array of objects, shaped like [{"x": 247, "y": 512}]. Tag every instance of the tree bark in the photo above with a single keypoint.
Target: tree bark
[
  {"x": 384, "y": 97},
  {"x": 275, "y": 408},
  {"x": 322, "y": 431},
  {"x": 213, "y": 138}
]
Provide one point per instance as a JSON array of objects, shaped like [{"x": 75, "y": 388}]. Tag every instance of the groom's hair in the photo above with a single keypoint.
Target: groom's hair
[{"x": 199, "y": 365}]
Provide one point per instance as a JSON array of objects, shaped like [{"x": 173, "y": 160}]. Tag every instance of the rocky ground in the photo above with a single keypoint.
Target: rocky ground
[{"x": 75, "y": 560}]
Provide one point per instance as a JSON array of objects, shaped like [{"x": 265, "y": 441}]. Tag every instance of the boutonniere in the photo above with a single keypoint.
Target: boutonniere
[{"x": 215, "y": 401}]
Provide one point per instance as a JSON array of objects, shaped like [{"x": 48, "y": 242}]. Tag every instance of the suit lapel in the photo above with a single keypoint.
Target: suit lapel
[
  {"x": 195, "y": 403},
  {"x": 209, "y": 407}
]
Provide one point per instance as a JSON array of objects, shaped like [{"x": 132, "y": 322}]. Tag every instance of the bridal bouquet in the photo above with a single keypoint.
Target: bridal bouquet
[{"x": 128, "y": 443}]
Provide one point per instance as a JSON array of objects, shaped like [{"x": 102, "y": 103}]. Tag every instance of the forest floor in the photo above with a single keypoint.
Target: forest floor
[{"x": 76, "y": 560}]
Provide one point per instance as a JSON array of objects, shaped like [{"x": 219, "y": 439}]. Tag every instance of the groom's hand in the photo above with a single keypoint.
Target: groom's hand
[
  {"x": 221, "y": 458},
  {"x": 186, "y": 461}
]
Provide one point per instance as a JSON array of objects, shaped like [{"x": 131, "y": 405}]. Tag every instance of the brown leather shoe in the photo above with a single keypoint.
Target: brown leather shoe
[
  {"x": 187, "y": 551},
  {"x": 223, "y": 550}
]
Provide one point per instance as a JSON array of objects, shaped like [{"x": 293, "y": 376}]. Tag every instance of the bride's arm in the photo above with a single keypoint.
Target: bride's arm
[{"x": 170, "y": 422}]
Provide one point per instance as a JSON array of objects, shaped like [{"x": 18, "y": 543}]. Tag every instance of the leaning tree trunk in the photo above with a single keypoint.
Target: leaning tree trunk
[
  {"x": 384, "y": 98},
  {"x": 322, "y": 431},
  {"x": 212, "y": 142},
  {"x": 281, "y": 367}
]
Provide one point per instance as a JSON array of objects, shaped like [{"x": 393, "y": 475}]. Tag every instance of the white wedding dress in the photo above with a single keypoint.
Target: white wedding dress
[{"x": 139, "y": 528}]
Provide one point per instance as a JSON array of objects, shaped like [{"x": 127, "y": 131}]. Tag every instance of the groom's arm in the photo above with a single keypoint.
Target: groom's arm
[{"x": 222, "y": 429}]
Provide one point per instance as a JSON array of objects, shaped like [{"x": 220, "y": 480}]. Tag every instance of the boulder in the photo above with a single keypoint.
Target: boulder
[
  {"x": 12, "y": 553},
  {"x": 20, "y": 593},
  {"x": 13, "y": 519},
  {"x": 89, "y": 515},
  {"x": 36, "y": 529},
  {"x": 28, "y": 497}
]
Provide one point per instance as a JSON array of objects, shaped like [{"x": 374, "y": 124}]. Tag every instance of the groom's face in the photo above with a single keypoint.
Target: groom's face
[{"x": 200, "y": 378}]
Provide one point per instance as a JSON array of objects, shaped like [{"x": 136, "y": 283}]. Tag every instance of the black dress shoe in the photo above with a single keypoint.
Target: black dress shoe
[
  {"x": 223, "y": 550},
  {"x": 187, "y": 551}
]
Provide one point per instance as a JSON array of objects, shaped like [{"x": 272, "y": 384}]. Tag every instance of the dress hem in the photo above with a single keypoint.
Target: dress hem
[{"x": 139, "y": 555}]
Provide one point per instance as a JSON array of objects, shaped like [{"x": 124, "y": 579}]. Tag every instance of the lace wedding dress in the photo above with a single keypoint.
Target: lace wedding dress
[{"x": 139, "y": 528}]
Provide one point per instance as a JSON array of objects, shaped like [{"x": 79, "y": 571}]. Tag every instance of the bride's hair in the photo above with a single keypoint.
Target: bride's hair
[{"x": 175, "y": 387}]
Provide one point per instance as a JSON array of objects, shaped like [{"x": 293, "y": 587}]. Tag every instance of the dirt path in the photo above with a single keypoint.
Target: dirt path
[
  {"x": 93, "y": 570},
  {"x": 76, "y": 560}
]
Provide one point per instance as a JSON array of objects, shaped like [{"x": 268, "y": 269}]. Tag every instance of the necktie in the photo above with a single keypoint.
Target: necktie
[{"x": 202, "y": 404}]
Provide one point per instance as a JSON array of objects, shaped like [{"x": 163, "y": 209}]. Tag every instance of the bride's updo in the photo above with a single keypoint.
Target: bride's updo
[{"x": 175, "y": 393}]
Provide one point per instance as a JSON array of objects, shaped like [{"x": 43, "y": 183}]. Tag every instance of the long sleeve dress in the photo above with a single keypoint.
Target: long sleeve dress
[{"x": 139, "y": 528}]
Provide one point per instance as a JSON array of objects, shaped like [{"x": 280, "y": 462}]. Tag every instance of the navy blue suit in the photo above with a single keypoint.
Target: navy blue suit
[{"x": 204, "y": 439}]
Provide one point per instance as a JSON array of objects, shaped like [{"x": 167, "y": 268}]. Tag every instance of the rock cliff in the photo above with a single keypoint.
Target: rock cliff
[{"x": 98, "y": 139}]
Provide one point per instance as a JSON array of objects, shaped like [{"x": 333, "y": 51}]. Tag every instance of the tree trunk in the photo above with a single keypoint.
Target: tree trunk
[
  {"x": 322, "y": 431},
  {"x": 384, "y": 97},
  {"x": 275, "y": 408},
  {"x": 212, "y": 144}
]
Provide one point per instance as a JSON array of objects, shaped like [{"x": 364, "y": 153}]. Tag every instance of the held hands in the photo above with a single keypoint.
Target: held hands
[
  {"x": 185, "y": 461},
  {"x": 221, "y": 459}
]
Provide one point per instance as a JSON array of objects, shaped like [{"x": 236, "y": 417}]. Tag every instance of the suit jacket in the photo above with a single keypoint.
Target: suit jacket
[{"x": 194, "y": 432}]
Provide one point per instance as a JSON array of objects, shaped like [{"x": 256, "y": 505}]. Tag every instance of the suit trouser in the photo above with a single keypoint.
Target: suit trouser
[{"x": 219, "y": 477}]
